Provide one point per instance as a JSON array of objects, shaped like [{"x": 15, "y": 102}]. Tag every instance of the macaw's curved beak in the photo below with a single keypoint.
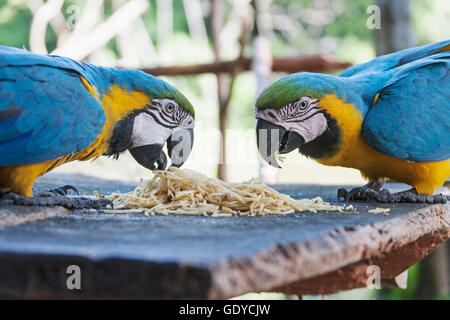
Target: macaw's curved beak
[
  {"x": 152, "y": 156},
  {"x": 149, "y": 155},
  {"x": 179, "y": 146},
  {"x": 272, "y": 138}
]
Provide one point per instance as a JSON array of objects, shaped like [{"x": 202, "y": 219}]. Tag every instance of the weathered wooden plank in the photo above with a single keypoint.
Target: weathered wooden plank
[
  {"x": 13, "y": 215},
  {"x": 132, "y": 255},
  {"x": 392, "y": 266},
  {"x": 273, "y": 267}
]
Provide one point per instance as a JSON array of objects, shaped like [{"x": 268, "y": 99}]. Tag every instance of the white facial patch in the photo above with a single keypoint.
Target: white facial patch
[
  {"x": 302, "y": 117},
  {"x": 310, "y": 128},
  {"x": 147, "y": 131}
]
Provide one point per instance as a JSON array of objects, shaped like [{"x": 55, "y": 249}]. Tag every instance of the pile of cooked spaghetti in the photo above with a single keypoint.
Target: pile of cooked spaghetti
[{"x": 179, "y": 191}]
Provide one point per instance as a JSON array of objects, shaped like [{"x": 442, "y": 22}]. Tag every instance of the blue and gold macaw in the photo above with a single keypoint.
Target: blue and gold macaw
[
  {"x": 389, "y": 118},
  {"x": 54, "y": 110}
]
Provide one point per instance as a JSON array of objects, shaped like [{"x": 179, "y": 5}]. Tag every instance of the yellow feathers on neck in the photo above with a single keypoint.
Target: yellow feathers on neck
[
  {"x": 349, "y": 118},
  {"x": 117, "y": 103}
]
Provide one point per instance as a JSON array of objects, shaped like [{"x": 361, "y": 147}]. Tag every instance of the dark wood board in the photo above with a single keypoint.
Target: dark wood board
[{"x": 138, "y": 256}]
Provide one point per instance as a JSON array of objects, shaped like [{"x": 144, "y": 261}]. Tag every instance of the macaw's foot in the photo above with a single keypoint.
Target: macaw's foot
[
  {"x": 410, "y": 196},
  {"x": 55, "y": 198},
  {"x": 361, "y": 193}
]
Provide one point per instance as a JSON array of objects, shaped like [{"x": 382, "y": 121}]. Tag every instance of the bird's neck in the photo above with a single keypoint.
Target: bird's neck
[
  {"x": 117, "y": 100},
  {"x": 344, "y": 122}
]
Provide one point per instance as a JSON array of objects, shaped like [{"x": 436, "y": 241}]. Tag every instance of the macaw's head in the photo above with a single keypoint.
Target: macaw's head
[
  {"x": 165, "y": 117},
  {"x": 292, "y": 114}
]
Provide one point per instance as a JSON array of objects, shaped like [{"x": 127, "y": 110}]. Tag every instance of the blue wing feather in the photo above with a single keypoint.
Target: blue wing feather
[
  {"x": 411, "y": 118},
  {"x": 45, "y": 111},
  {"x": 393, "y": 60}
]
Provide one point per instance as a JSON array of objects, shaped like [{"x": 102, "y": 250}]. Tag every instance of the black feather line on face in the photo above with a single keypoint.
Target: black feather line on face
[
  {"x": 327, "y": 144},
  {"x": 120, "y": 140},
  {"x": 173, "y": 126}
]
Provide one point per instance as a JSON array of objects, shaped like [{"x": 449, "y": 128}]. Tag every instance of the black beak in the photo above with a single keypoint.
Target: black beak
[
  {"x": 272, "y": 138},
  {"x": 179, "y": 146},
  {"x": 152, "y": 156},
  {"x": 149, "y": 155}
]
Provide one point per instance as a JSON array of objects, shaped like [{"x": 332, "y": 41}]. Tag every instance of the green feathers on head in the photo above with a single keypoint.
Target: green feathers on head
[
  {"x": 156, "y": 88},
  {"x": 292, "y": 87},
  {"x": 181, "y": 100}
]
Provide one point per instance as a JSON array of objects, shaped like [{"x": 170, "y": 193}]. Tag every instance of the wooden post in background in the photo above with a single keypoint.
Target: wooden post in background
[
  {"x": 262, "y": 68},
  {"x": 225, "y": 82},
  {"x": 222, "y": 88},
  {"x": 396, "y": 32},
  {"x": 434, "y": 279}
]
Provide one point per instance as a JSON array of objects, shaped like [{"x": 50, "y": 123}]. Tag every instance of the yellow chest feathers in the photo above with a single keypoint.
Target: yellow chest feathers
[{"x": 354, "y": 152}]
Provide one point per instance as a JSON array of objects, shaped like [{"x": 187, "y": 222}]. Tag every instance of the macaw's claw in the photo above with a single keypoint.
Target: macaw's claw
[
  {"x": 66, "y": 188},
  {"x": 56, "y": 199},
  {"x": 410, "y": 196},
  {"x": 63, "y": 190}
]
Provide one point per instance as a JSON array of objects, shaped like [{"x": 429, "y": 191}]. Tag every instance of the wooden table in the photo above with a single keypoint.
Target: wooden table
[{"x": 138, "y": 256}]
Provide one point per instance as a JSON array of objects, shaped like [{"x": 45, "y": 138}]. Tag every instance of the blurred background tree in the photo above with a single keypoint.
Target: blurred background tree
[{"x": 162, "y": 33}]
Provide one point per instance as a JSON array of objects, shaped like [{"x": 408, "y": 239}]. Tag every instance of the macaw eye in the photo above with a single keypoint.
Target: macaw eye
[
  {"x": 303, "y": 105},
  {"x": 170, "y": 107}
]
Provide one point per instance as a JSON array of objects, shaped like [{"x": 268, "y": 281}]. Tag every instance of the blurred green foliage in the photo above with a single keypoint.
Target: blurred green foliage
[
  {"x": 15, "y": 23},
  {"x": 341, "y": 29}
]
